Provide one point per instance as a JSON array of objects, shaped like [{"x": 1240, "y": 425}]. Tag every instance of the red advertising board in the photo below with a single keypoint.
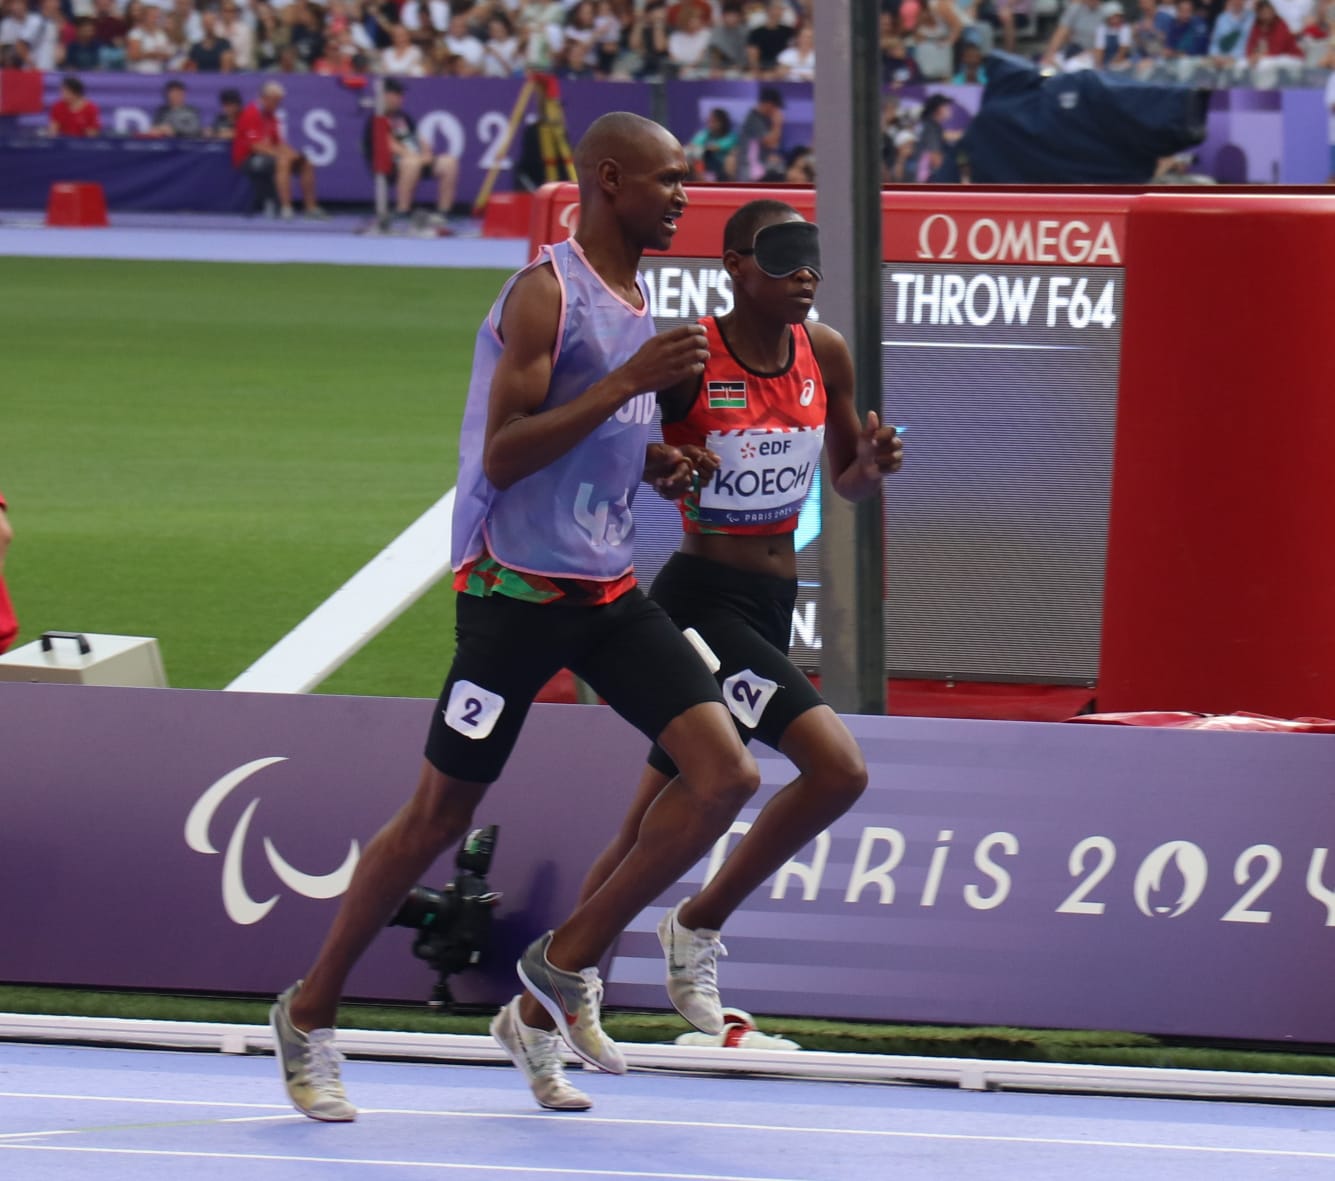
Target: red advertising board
[{"x": 1022, "y": 330}]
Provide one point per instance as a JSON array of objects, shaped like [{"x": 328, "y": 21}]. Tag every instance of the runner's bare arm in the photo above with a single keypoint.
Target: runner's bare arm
[{"x": 860, "y": 454}]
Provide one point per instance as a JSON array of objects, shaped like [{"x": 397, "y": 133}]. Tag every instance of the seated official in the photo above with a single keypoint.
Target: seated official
[{"x": 72, "y": 114}]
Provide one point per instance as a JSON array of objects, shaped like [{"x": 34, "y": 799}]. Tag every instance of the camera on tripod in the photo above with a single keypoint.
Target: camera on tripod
[{"x": 454, "y": 924}]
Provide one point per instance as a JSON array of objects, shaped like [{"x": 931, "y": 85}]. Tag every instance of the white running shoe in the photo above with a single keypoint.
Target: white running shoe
[
  {"x": 309, "y": 1065},
  {"x": 573, "y": 999},
  {"x": 538, "y": 1053},
  {"x": 692, "y": 971}
]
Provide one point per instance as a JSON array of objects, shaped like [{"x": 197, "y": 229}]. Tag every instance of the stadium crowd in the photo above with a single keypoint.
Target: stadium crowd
[{"x": 1199, "y": 42}]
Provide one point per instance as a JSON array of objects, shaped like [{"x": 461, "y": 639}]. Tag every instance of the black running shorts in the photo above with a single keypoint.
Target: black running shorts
[
  {"x": 628, "y": 651},
  {"x": 747, "y": 619}
]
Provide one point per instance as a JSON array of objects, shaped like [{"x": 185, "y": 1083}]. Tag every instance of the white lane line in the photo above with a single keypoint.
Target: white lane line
[
  {"x": 194, "y": 1123},
  {"x": 138, "y": 1099},
  {"x": 708, "y": 1125},
  {"x": 579, "y": 1171}
]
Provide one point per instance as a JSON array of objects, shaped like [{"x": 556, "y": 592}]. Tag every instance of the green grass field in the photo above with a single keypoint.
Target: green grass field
[{"x": 204, "y": 452}]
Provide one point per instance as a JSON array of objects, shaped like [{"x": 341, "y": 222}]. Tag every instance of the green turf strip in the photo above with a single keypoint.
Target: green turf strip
[
  {"x": 203, "y": 452},
  {"x": 991, "y": 1042}
]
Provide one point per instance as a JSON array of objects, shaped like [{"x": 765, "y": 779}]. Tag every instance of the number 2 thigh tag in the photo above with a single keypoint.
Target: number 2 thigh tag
[
  {"x": 746, "y": 694},
  {"x": 472, "y": 710}
]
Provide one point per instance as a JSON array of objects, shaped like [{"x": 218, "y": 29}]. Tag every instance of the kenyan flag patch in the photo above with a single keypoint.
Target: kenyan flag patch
[{"x": 726, "y": 395}]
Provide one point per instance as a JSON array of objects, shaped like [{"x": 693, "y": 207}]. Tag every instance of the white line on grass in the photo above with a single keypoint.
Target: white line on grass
[{"x": 359, "y": 610}]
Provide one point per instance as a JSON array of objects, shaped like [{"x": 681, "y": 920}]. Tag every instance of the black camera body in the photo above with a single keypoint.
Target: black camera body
[{"x": 454, "y": 924}]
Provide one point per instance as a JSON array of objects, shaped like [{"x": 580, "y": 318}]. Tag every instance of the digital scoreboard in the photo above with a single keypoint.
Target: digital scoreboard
[{"x": 1001, "y": 329}]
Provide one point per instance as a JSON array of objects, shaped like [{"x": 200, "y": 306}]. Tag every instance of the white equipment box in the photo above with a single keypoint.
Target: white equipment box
[{"x": 73, "y": 658}]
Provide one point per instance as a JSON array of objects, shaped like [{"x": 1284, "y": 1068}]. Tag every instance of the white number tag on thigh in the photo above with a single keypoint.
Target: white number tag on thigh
[
  {"x": 747, "y": 694},
  {"x": 472, "y": 710}
]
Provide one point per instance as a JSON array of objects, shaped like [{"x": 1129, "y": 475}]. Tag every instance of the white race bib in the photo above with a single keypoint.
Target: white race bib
[{"x": 764, "y": 475}]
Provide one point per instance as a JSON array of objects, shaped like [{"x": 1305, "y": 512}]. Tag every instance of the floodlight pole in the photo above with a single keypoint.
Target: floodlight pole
[{"x": 848, "y": 208}]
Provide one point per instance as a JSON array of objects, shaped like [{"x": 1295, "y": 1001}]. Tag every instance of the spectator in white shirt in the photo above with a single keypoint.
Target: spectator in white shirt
[
  {"x": 688, "y": 46},
  {"x": 402, "y": 59},
  {"x": 1112, "y": 42},
  {"x": 797, "y": 63},
  {"x": 502, "y": 55},
  {"x": 148, "y": 47},
  {"x": 1297, "y": 14},
  {"x": 425, "y": 19},
  {"x": 46, "y": 43},
  {"x": 18, "y": 25},
  {"x": 237, "y": 31},
  {"x": 461, "y": 45}
]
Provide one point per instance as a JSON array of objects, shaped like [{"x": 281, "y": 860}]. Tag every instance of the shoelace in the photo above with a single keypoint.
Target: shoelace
[
  {"x": 591, "y": 992},
  {"x": 544, "y": 1053},
  {"x": 705, "y": 950},
  {"x": 323, "y": 1064}
]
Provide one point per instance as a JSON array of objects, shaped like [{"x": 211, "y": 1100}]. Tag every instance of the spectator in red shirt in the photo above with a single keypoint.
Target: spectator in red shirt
[
  {"x": 258, "y": 147},
  {"x": 9, "y": 626},
  {"x": 72, "y": 114}
]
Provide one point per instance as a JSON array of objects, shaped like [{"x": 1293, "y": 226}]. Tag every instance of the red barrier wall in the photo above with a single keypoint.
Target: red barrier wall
[
  {"x": 911, "y": 225},
  {"x": 1220, "y": 578}
]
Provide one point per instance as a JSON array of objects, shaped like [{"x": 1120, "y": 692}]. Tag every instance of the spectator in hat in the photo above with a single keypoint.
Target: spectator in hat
[
  {"x": 412, "y": 160},
  {"x": 902, "y": 166},
  {"x": 1112, "y": 42}
]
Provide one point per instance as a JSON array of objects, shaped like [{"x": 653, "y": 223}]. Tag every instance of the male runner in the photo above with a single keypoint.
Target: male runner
[
  {"x": 774, "y": 385},
  {"x": 553, "y": 445}
]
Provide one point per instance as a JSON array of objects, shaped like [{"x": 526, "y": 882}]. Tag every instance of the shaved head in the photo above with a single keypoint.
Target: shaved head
[{"x": 628, "y": 139}]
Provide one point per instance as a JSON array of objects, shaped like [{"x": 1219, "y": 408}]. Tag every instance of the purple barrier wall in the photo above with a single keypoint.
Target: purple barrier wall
[
  {"x": 463, "y": 117},
  {"x": 1252, "y": 135},
  {"x": 1010, "y": 873}
]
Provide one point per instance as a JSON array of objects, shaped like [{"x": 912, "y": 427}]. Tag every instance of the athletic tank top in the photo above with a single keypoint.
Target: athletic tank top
[
  {"x": 571, "y": 519},
  {"x": 768, "y": 429}
]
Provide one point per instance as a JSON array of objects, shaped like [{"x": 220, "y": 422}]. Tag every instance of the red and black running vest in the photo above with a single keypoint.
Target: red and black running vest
[{"x": 767, "y": 428}]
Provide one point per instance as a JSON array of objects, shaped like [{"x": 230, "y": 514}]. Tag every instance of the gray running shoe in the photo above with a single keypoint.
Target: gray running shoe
[
  {"x": 538, "y": 1053},
  {"x": 573, "y": 999},
  {"x": 309, "y": 1065},
  {"x": 692, "y": 971}
]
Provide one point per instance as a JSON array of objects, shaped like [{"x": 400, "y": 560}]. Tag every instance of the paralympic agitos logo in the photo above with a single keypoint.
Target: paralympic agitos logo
[{"x": 240, "y": 905}]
